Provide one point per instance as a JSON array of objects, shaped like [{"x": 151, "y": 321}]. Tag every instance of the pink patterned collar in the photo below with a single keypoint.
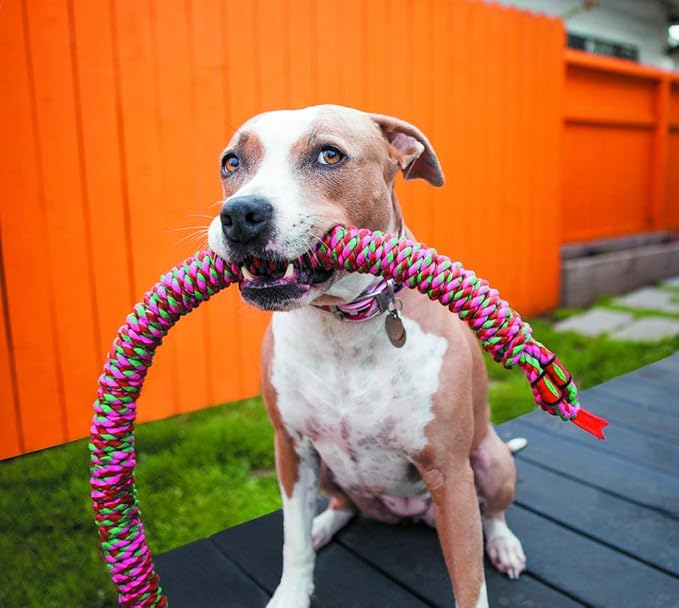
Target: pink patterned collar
[{"x": 374, "y": 301}]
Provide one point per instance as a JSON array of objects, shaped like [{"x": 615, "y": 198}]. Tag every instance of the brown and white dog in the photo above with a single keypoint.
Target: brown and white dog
[{"x": 390, "y": 432}]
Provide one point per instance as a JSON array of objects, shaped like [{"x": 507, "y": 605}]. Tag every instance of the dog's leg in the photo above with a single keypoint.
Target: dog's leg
[
  {"x": 458, "y": 524},
  {"x": 328, "y": 523},
  {"x": 297, "y": 468},
  {"x": 336, "y": 516},
  {"x": 495, "y": 474}
]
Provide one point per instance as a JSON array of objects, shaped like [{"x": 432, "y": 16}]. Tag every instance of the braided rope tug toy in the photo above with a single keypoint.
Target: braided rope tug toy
[{"x": 501, "y": 331}]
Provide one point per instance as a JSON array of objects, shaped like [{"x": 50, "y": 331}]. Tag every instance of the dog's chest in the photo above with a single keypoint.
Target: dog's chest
[{"x": 363, "y": 403}]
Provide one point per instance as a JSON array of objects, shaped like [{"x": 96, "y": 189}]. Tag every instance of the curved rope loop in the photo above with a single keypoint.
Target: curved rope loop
[{"x": 112, "y": 454}]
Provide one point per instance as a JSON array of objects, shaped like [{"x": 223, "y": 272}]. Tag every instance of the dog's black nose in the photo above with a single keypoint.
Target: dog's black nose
[{"x": 245, "y": 218}]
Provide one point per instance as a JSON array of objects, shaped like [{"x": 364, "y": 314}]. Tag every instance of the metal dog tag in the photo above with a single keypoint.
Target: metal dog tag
[{"x": 396, "y": 332}]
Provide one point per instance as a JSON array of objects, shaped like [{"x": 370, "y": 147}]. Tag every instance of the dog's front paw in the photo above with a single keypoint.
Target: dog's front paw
[
  {"x": 504, "y": 549},
  {"x": 292, "y": 593}
]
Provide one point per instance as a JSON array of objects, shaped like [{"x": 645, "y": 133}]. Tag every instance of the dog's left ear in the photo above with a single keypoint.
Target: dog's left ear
[{"x": 410, "y": 148}]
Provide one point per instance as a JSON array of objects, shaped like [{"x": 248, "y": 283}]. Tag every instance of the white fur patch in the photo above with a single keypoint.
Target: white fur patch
[
  {"x": 503, "y": 547},
  {"x": 297, "y": 583},
  {"x": 275, "y": 180},
  {"x": 363, "y": 403},
  {"x": 482, "y": 602},
  {"x": 327, "y": 524}
]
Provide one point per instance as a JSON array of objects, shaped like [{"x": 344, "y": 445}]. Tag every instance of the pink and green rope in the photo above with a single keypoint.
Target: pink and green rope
[{"x": 112, "y": 453}]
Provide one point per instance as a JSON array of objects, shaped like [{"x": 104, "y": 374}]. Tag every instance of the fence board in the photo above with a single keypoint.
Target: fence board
[
  {"x": 671, "y": 207},
  {"x": 68, "y": 254},
  {"x": 29, "y": 290},
  {"x": 102, "y": 179},
  {"x": 211, "y": 130},
  {"x": 11, "y": 440},
  {"x": 151, "y": 241},
  {"x": 172, "y": 65}
]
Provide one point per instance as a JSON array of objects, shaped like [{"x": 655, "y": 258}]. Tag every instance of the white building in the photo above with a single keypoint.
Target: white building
[{"x": 641, "y": 23}]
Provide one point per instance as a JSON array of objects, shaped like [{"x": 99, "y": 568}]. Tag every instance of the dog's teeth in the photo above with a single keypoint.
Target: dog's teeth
[
  {"x": 247, "y": 274},
  {"x": 289, "y": 271}
]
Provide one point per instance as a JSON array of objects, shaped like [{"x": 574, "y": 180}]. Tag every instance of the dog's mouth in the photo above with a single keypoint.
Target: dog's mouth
[{"x": 275, "y": 284}]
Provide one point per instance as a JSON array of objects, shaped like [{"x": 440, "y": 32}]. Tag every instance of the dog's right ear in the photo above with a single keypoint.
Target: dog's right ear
[{"x": 410, "y": 148}]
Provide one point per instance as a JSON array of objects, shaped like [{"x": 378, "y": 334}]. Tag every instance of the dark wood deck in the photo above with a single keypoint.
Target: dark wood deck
[{"x": 598, "y": 521}]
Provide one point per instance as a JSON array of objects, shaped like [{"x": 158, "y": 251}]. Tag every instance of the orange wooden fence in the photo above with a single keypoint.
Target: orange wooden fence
[
  {"x": 113, "y": 115},
  {"x": 620, "y": 166}
]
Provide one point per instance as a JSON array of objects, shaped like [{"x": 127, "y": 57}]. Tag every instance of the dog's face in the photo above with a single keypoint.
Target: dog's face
[{"x": 290, "y": 176}]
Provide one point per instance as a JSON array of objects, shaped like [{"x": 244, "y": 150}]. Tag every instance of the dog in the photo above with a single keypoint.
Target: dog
[{"x": 389, "y": 418}]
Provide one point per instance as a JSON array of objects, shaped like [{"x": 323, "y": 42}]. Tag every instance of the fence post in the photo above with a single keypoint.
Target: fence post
[{"x": 658, "y": 190}]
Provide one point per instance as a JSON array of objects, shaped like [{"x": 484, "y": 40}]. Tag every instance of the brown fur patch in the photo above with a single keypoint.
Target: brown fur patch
[
  {"x": 358, "y": 190},
  {"x": 250, "y": 151}
]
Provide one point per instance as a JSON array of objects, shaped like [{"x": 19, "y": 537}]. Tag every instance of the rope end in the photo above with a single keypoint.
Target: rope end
[{"x": 591, "y": 423}]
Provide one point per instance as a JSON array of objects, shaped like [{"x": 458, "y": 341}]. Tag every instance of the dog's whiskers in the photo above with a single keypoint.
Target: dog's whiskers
[{"x": 194, "y": 237}]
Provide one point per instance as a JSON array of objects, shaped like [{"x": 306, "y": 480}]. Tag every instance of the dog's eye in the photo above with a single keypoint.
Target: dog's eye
[
  {"x": 230, "y": 163},
  {"x": 330, "y": 156}
]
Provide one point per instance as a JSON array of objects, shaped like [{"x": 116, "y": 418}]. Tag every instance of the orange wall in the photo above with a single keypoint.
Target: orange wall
[
  {"x": 114, "y": 114},
  {"x": 620, "y": 148}
]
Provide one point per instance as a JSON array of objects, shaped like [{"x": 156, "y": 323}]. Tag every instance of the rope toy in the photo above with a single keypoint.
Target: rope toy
[{"x": 112, "y": 455}]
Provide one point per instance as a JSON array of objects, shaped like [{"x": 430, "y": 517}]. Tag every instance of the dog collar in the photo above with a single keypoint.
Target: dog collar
[{"x": 372, "y": 302}]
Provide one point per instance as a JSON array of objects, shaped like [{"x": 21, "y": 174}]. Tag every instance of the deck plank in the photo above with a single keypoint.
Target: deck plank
[
  {"x": 637, "y": 446},
  {"x": 420, "y": 566},
  {"x": 665, "y": 371},
  {"x": 641, "y": 532},
  {"x": 342, "y": 580},
  {"x": 632, "y": 415},
  {"x": 198, "y": 575},
  {"x": 588, "y": 570},
  {"x": 655, "y": 396},
  {"x": 594, "y": 466}
]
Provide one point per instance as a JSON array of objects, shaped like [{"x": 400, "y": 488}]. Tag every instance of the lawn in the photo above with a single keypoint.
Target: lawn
[{"x": 201, "y": 473}]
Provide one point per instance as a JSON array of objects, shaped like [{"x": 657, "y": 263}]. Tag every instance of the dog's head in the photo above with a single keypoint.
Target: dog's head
[{"x": 289, "y": 176}]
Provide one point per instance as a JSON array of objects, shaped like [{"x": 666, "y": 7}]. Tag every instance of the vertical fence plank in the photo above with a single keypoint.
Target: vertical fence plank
[
  {"x": 549, "y": 237},
  {"x": 273, "y": 54},
  {"x": 473, "y": 251},
  {"x": 499, "y": 27},
  {"x": 27, "y": 282},
  {"x": 351, "y": 29},
  {"x": 244, "y": 100},
  {"x": 376, "y": 95},
  {"x": 68, "y": 244},
  {"x": 151, "y": 242},
  {"x": 399, "y": 65},
  {"x": 302, "y": 55},
  {"x": 441, "y": 87},
  {"x": 172, "y": 65},
  {"x": 513, "y": 159},
  {"x": 671, "y": 208},
  {"x": 242, "y": 80},
  {"x": 418, "y": 195},
  {"x": 102, "y": 180},
  {"x": 11, "y": 439},
  {"x": 212, "y": 57},
  {"x": 327, "y": 46},
  {"x": 658, "y": 184},
  {"x": 454, "y": 200}
]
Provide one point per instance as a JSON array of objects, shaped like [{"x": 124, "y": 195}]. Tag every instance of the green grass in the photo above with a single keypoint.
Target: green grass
[{"x": 198, "y": 474}]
